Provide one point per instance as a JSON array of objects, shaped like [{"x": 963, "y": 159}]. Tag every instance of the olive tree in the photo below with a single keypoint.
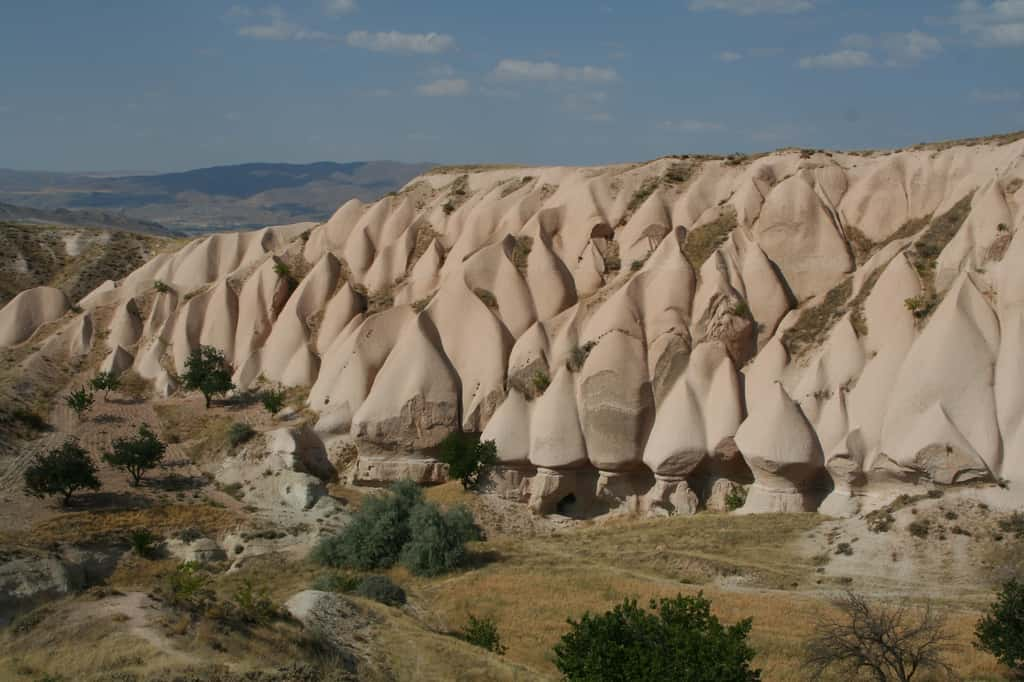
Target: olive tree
[
  {"x": 62, "y": 471},
  {"x": 207, "y": 371}
]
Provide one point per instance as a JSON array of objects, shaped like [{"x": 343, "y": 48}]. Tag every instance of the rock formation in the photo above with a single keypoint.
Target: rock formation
[{"x": 643, "y": 337}]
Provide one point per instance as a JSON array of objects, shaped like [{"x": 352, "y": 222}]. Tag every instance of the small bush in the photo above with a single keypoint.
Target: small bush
[
  {"x": 578, "y": 356},
  {"x": 62, "y": 471},
  {"x": 678, "y": 639},
  {"x": 377, "y": 532},
  {"x": 106, "y": 382},
  {"x": 921, "y": 306},
  {"x": 636, "y": 265},
  {"x": 880, "y": 521},
  {"x": 919, "y": 529},
  {"x": 1014, "y": 525},
  {"x": 844, "y": 548},
  {"x": 239, "y": 433},
  {"x": 160, "y": 287},
  {"x": 187, "y": 586},
  {"x": 29, "y": 419},
  {"x": 381, "y": 589},
  {"x": 401, "y": 527},
  {"x": 741, "y": 309},
  {"x": 438, "y": 539},
  {"x": 467, "y": 457},
  {"x": 449, "y": 207},
  {"x": 282, "y": 270},
  {"x": 273, "y": 400},
  {"x": 736, "y": 498},
  {"x": 1001, "y": 631},
  {"x": 144, "y": 543},
  {"x": 483, "y": 632},
  {"x": 253, "y": 605},
  {"x": 80, "y": 400},
  {"x": 541, "y": 381}
]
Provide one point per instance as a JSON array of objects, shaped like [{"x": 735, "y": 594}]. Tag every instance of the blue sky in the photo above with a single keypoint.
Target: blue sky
[{"x": 148, "y": 85}]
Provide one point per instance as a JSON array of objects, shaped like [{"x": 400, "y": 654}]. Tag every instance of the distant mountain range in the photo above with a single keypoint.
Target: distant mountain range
[{"x": 218, "y": 198}]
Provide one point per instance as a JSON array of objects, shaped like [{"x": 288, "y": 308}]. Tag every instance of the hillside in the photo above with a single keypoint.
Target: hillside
[
  {"x": 63, "y": 217},
  {"x": 74, "y": 260},
  {"x": 222, "y": 197}
]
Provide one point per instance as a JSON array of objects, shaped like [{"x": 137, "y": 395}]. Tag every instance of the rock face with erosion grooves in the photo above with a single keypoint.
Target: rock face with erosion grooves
[{"x": 824, "y": 327}]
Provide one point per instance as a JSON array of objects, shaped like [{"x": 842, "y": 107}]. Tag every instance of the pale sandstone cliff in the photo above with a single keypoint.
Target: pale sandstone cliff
[{"x": 824, "y": 326}]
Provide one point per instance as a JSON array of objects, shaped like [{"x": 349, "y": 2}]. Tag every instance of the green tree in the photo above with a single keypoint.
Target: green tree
[
  {"x": 467, "y": 457},
  {"x": 61, "y": 471},
  {"x": 207, "y": 371},
  {"x": 80, "y": 400},
  {"x": 106, "y": 382},
  {"x": 273, "y": 400},
  {"x": 678, "y": 639},
  {"x": 1001, "y": 631},
  {"x": 137, "y": 454}
]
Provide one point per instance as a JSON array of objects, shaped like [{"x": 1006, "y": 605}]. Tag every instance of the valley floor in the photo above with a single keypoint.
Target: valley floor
[{"x": 530, "y": 575}]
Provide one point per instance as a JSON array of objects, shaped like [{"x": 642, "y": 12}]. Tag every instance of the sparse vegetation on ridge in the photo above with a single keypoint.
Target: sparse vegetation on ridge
[
  {"x": 703, "y": 241},
  {"x": 815, "y": 321}
]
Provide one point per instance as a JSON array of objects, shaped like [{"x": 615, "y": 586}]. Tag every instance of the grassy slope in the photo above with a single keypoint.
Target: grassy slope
[{"x": 34, "y": 255}]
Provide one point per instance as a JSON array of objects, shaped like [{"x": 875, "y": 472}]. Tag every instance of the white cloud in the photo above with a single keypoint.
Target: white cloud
[
  {"x": 279, "y": 28},
  {"x": 992, "y": 24},
  {"x": 729, "y": 57},
  {"x": 899, "y": 49},
  {"x": 407, "y": 43},
  {"x": 447, "y": 87},
  {"x": 842, "y": 59},
  {"x": 692, "y": 126},
  {"x": 519, "y": 69},
  {"x": 749, "y": 7},
  {"x": 340, "y": 6},
  {"x": 909, "y": 48},
  {"x": 857, "y": 41},
  {"x": 997, "y": 96}
]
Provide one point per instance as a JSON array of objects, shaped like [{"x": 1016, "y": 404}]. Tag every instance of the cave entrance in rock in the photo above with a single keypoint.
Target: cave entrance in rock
[{"x": 564, "y": 506}]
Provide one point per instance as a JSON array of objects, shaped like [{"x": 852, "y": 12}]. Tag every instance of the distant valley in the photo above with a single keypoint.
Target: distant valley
[{"x": 207, "y": 199}]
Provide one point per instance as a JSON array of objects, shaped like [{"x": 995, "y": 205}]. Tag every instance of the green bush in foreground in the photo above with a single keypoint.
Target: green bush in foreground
[
  {"x": 239, "y": 433},
  {"x": 400, "y": 527},
  {"x": 678, "y": 639},
  {"x": 1001, "y": 631}
]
